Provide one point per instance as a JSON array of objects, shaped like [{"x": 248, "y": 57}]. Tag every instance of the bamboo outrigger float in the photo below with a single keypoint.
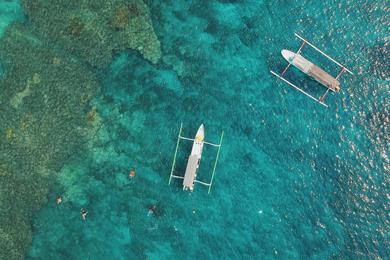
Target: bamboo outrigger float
[
  {"x": 189, "y": 178},
  {"x": 309, "y": 68}
]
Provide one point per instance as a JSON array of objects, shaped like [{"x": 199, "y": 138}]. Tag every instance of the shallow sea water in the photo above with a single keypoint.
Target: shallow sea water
[{"x": 294, "y": 180}]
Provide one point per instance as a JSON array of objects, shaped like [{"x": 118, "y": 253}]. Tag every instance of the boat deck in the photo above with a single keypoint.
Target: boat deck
[
  {"x": 190, "y": 174},
  {"x": 324, "y": 78}
]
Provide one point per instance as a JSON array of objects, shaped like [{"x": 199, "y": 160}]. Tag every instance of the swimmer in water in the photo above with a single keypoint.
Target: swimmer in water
[
  {"x": 152, "y": 210},
  {"x": 132, "y": 173},
  {"x": 83, "y": 213},
  {"x": 59, "y": 200}
]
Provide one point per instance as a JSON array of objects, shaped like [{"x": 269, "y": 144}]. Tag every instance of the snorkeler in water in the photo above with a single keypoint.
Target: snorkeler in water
[
  {"x": 132, "y": 173},
  {"x": 59, "y": 200},
  {"x": 84, "y": 213},
  {"x": 152, "y": 210}
]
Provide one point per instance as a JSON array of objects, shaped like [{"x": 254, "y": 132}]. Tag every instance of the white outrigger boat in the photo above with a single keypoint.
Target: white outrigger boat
[
  {"x": 312, "y": 70},
  {"x": 194, "y": 160},
  {"x": 189, "y": 178}
]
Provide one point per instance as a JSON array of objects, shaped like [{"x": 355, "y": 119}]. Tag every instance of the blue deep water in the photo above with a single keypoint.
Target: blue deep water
[{"x": 294, "y": 180}]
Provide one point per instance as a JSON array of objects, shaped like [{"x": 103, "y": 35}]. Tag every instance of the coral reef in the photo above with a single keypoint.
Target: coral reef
[
  {"x": 47, "y": 82},
  {"x": 94, "y": 30},
  {"x": 43, "y": 107},
  {"x": 15, "y": 231},
  {"x": 18, "y": 98}
]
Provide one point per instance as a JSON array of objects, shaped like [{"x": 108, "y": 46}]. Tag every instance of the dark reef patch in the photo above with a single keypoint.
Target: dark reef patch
[
  {"x": 94, "y": 30},
  {"x": 380, "y": 65}
]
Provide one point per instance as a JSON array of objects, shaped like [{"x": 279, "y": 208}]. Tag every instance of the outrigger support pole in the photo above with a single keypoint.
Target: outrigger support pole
[
  {"x": 300, "y": 48},
  {"x": 174, "y": 157},
  {"x": 215, "y": 163},
  {"x": 300, "y": 90},
  {"x": 284, "y": 71},
  {"x": 323, "y": 53},
  {"x": 298, "y": 52},
  {"x": 321, "y": 99},
  {"x": 341, "y": 72}
]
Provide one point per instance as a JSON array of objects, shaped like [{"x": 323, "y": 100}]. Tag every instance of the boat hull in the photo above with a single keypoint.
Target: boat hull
[
  {"x": 194, "y": 160},
  {"x": 312, "y": 70}
]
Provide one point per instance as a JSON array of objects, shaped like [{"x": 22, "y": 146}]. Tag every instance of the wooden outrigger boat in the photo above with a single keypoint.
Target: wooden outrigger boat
[
  {"x": 312, "y": 70},
  {"x": 189, "y": 178}
]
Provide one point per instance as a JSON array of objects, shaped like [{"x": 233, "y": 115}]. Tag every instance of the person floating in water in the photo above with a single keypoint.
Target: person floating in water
[
  {"x": 132, "y": 173},
  {"x": 59, "y": 200},
  {"x": 84, "y": 213},
  {"x": 152, "y": 210}
]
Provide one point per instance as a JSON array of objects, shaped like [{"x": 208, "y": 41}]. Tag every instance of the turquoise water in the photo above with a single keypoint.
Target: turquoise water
[
  {"x": 9, "y": 11},
  {"x": 294, "y": 180}
]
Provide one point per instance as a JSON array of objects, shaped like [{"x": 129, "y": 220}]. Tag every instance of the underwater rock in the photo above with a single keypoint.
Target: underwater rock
[
  {"x": 75, "y": 26},
  {"x": 92, "y": 115},
  {"x": 94, "y": 122},
  {"x": 121, "y": 17},
  {"x": 9, "y": 134},
  {"x": 94, "y": 30}
]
